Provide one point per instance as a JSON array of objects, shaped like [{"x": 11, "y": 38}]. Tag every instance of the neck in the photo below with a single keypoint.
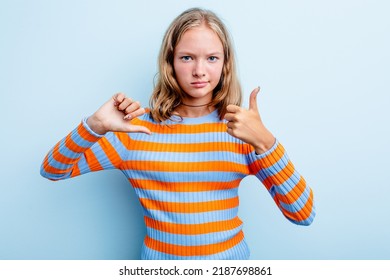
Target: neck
[
  {"x": 194, "y": 111},
  {"x": 190, "y": 105}
]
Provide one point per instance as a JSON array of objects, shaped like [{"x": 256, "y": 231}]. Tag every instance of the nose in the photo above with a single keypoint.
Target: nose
[{"x": 199, "y": 69}]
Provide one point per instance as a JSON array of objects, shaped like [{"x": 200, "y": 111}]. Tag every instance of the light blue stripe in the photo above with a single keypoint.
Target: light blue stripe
[
  {"x": 120, "y": 148},
  {"x": 238, "y": 252},
  {"x": 54, "y": 176},
  {"x": 193, "y": 240},
  {"x": 101, "y": 156},
  {"x": 307, "y": 221},
  {"x": 255, "y": 156},
  {"x": 207, "y": 176},
  {"x": 184, "y": 138},
  {"x": 273, "y": 169},
  {"x": 66, "y": 152},
  {"x": 205, "y": 196},
  {"x": 56, "y": 164},
  {"x": 299, "y": 203},
  {"x": 75, "y": 136},
  {"x": 187, "y": 157},
  {"x": 213, "y": 117},
  {"x": 287, "y": 186},
  {"x": 83, "y": 166},
  {"x": 192, "y": 218},
  {"x": 86, "y": 126}
]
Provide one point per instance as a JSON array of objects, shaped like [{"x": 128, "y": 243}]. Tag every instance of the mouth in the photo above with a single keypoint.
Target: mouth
[{"x": 199, "y": 84}]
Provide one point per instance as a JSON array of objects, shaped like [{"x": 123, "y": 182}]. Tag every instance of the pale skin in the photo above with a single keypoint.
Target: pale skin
[{"x": 198, "y": 63}]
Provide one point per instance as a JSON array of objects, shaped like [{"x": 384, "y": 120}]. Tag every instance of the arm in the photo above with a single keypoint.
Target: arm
[
  {"x": 72, "y": 154},
  {"x": 287, "y": 187},
  {"x": 85, "y": 149},
  {"x": 271, "y": 164}
]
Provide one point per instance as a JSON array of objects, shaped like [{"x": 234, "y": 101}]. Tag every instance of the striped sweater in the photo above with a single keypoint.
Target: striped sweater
[{"x": 186, "y": 176}]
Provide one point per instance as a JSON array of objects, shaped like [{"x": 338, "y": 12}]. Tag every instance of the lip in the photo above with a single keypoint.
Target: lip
[{"x": 199, "y": 84}]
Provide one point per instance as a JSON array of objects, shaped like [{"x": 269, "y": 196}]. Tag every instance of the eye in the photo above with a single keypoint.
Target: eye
[
  {"x": 213, "y": 58},
  {"x": 186, "y": 58}
]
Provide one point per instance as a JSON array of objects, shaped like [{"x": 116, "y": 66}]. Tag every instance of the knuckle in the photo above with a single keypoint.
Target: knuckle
[
  {"x": 127, "y": 110},
  {"x": 119, "y": 95},
  {"x": 122, "y": 106}
]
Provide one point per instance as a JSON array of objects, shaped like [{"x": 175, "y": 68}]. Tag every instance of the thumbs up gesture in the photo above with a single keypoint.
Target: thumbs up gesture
[
  {"x": 116, "y": 114},
  {"x": 247, "y": 126}
]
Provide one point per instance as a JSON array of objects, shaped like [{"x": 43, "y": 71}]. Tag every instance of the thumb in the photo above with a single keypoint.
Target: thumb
[
  {"x": 139, "y": 128},
  {"x": 253, "y": 99}
]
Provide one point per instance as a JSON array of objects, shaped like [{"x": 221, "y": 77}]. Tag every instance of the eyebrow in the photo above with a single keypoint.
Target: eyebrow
[{"x": 191, "y": 53}]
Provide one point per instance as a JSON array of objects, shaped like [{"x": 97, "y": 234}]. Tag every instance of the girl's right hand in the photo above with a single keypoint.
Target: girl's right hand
[{"x": 116, "y": 114}]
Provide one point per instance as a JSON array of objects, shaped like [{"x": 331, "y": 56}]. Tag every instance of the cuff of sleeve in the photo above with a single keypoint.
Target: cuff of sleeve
[
  {"x": 91, "y": 135},
  {"x": 269, "y": 158},
  {"x": 262, "y": 155}
]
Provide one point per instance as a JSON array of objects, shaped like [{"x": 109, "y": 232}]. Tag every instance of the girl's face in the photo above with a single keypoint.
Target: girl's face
[{"x": 198, "y": 62}]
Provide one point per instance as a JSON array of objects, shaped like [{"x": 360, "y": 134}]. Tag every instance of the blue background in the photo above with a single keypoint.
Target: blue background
[{"x": 324, "y": 71}]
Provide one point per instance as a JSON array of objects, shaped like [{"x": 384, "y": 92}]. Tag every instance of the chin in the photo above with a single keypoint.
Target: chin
[{"x": 199, "y": 93}]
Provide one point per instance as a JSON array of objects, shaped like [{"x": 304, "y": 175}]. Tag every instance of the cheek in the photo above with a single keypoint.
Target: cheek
[
  {"x": 180, "y": 70},
  {"x": 216, "y": 72}
]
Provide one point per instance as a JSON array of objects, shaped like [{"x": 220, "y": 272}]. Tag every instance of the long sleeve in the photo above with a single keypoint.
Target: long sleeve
[
  {"x": 186, "y": 176},
  {"x": 81, "y": 151},
  {"x": 286, "y": 186}
]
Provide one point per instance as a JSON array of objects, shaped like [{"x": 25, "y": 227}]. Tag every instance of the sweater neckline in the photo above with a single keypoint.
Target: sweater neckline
[{"x": 211, "y": 117}]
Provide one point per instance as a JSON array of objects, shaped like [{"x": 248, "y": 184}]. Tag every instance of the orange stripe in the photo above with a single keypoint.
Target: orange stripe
[
  {"x": 280, "y": 177},
  {"x": 190, "y": 147},
  {"x": 53, "y": 170},
  {"x": 110, "y": 152},
  {"x": 190, "y": 229},
  {"x": 50, "y": 169},
  {"x": 181, "y": 128},
  {"x": 189, "y": 207},
  {"x": 76, "y": 171},
  {"x": 71, "y": 145},
  {"x": 59, "y": 157},
  {"x": 169, "y": 166},
  {"x": 294, "y": 194},
  {"x": 302, "y": 214},
  {"x": 180, "y": 250},
  {"x": 92, "y": 161},
  {"x": 270, "y": 159},
  {"x": 86, "y": 135},
  {"x": 183, "y": 186}
]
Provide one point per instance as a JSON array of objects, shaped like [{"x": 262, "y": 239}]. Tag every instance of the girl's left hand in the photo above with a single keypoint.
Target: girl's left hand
[{"x": 247, "y": 126}]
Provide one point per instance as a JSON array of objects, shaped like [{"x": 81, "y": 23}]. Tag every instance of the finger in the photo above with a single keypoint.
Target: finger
[
  {"x": 253, "y": 99},
  {"x": 118, "y": 98},
  {"x": 232, "y": 108},
  {"x": 135, "y": 114},
  {"x": 230, "y": 117},
  {"x": 231, "y": 131},
  {"x": 132, "y": 107},
  {"x": 139, "y": 128},
  {"x": 230, "y": 125},
  {"x": 124, "y": 104}
]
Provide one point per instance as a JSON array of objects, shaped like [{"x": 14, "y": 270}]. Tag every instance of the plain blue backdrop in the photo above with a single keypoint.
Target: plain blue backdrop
[{"x": 324, "y": 69}]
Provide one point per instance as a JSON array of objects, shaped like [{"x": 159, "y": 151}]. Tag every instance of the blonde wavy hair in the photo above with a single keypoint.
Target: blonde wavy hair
[{"x": 167, "y": 94}]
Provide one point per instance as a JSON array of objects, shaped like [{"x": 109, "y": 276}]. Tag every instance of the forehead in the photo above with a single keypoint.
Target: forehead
[{"x": 201, "y": 38}]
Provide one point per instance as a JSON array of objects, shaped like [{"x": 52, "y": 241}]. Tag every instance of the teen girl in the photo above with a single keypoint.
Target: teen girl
[{"x": 186, "y": 155}]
